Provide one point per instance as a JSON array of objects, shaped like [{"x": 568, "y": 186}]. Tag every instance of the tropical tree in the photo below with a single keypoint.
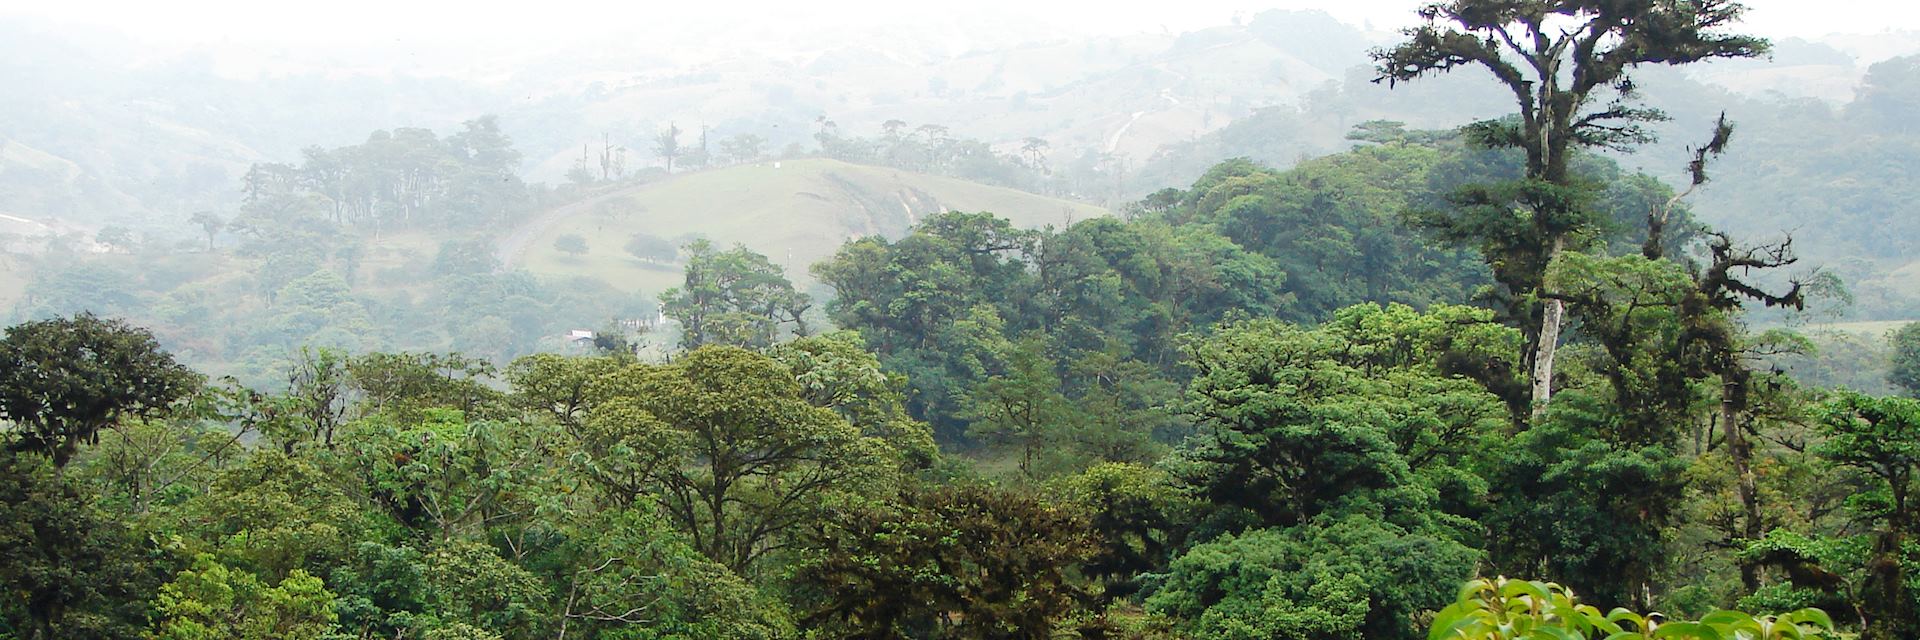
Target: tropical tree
[
  {"x": 1330, "y": 450},
  {"x": 626, "y": 571},
  {"x": 1569, "y": 66},
  {"x": 1022, "y": 407},
  {"x": 743, "y": 147},
  {"x": 63, "y": 380},
  {"x": 67, "y": 569},
  {"x": 735, "y": 297},
  {"x": 571, "y": 244},
  {"x": 651, "y": 248},
  {"x": 1298, "y": 422},
  {"x": 211, "y": 601},
  {"x": 836, "y": 372},
  {"x": 667, "y": 145},
  {"x": 1034, "y": 151},
  {"x": 1905, "y": 372},
  {"x": 1352, "y": 576},
  {"x": 557, "y": 386},
  {"x": 406, "y": 385},
  {"x": 726, "y": 443},
  {"x": 1880, "y": 437},
  {"x": 209, "y": 223},
  {"x": 115, "y": 238},
  {"x": 960, "y": 562}
]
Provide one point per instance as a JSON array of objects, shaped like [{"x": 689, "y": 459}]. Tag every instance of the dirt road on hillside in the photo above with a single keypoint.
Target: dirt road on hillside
[{"x": 507, "y": 250}]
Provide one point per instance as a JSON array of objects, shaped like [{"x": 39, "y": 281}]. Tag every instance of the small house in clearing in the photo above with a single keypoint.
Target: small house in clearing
[{"x": 581, "y": 339}]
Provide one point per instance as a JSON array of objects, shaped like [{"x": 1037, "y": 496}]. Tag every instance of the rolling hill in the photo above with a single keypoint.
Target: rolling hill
[{"x": 796, "y": 212}]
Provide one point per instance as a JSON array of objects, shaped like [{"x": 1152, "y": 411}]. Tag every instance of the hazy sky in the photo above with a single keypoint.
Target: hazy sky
[
  {"x": 466, "y": 21},
  {"x": 486, "y": 36}
]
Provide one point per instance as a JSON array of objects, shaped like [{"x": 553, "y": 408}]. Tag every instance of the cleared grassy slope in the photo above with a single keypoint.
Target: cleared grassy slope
[
  {"x": 1875, "y": 330},
  {"x": 796, "y": 213}
]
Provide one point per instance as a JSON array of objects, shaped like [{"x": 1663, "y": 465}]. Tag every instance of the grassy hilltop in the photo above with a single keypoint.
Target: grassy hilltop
[{"x": 796, "y": 212}]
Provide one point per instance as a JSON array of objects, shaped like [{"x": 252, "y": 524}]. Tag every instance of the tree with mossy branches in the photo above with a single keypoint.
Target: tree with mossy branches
[{"x": 1569, "y": 64}]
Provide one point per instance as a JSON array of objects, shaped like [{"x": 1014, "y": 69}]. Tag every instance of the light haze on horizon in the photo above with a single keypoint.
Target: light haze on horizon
[{"x": 487, "y": 27}]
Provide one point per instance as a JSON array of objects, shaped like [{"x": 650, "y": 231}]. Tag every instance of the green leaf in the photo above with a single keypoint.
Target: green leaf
[
  {"x": 1449, "y": 621},
  {"x": 1693, "y": 630},
  {"x": 1727, "y": 618},
  {"x": 1809, "y": 616},
  {"x": 1554, "y": 633},
  {"x": 1516, "y": 588},
  {"x": 1622, "y": 615}
]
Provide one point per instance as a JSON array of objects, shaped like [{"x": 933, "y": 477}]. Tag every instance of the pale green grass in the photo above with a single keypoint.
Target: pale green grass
[
  {"x": 797, "y": 215},
  {"x": 1869, "y": 329}
]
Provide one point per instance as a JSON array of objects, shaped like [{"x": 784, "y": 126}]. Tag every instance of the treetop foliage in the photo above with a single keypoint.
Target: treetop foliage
[{"x": 65, "y": 379}]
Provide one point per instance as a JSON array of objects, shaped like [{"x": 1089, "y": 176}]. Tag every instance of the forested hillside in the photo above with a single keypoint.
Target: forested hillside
[
  {"x": 1831, "y": 176},
  {"x": 1500, "y": 373}
]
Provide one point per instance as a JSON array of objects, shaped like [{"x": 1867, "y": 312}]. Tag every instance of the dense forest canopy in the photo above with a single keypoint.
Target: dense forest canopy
[{"x": 1416, "y": 353}]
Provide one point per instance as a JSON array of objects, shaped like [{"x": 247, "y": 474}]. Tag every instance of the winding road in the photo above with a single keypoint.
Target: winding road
[
  {"x": 508, "y": 249},
  {"x": 1113, "y": 141}
]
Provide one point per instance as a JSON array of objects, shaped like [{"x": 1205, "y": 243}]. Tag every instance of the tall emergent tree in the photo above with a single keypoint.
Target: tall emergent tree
[
  {"x": 735, "y": 297},
  {"x": 1568, "y": 64},
  {"x": 667, "y": 145},
  {"x": 210, "y": 223},
  {"x": 727, "y": 446},
  {"x": 65, "y": 379}
]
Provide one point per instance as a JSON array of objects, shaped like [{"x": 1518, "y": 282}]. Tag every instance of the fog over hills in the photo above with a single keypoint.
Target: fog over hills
[
  {"x": 163, "y": 128},
  {"x": 139, "y": 133}
]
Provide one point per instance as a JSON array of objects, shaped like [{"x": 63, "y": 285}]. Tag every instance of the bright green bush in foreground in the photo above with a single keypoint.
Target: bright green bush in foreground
[{"x": 1504, "y": 609}]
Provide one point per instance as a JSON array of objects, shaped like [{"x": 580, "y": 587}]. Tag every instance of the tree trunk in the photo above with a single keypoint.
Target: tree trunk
[
  {"x": 1886, "y": 614},
  {"x": 1543, "y": 356},
  {"x": 1549, "y": 342},
  {"x": 1732, "y": 403}
]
